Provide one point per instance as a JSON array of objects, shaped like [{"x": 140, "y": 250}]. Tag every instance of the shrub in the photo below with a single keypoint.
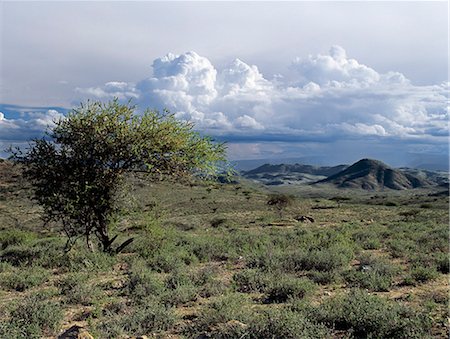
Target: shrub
[
  {"x": 372, "y": 274},
  {"x": 426, "y": 205},
  {"x": 324, "y": 278},
  {"x": 443, "y": 263},
  {"x": 280, "y": 202},
  {"x": 324, "y": 260},
  {"x": 21, "y": 279},
  {"x": 180, "y": 289},
  {"x": 221, "y": 311},
  {"x": 252, "y": 280},
  {"x": 422, "y": 274},
  {"x": 14, "y": 237},
  {"x": 142, "y": 282},
  {"x": 282, "y": 323},
  {"x": 83, "y": 260},
  {"x": 46, "y": 252},
  {"x": 77, "y": 290},
  {"x": 286, "y": 288},
  {"x": 369, "y": 239},
  {"x": 150, "y": 317},
  {"x": 370, "y": 316},
  {"x": 35, "y": 317}
]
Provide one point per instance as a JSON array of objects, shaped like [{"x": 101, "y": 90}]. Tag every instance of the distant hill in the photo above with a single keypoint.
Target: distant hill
[
  {"x": 372, "y": 174},
  {"x": 282, "y": 174},
  {"x": 297, "y": 168}
]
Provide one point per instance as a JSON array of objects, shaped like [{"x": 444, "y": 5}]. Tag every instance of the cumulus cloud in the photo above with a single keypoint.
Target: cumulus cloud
[
  {"x": 321, "y": 97},
  {"x": 326, "y": 94},
  {"x": 29, "y": 125},
  {"x": 113, "y": 89}
]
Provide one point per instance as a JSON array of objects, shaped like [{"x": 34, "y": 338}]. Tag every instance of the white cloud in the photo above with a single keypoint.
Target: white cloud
[
  {"x": 30, "y": 125},
  {"x": 113, "y": 89},
  {"x": 323, "y": 96},
  {"x": 246, "y": 121},
  {"x": 334, "y": 66}
]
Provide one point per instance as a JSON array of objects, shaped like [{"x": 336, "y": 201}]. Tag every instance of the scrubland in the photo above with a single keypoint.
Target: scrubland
[{"x": 215, "y": 261}]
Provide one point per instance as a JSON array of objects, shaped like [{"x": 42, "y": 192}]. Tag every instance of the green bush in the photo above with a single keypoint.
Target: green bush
[
  {"x": 180, "y": 289},
  {"x": 77, "y": 290},
  {"x": 80, "y": 259},
  {"x": 369, "y": 239},
  {"x": 282, "y": 323},
  {"x": 442, "y": 262},
  {"x": 323, "y": 260},
  {"x": 21, "y": 279},
  {"x": 324, "y": 278},
  {"x": 48, "y": 253},
  {"x": 34, "y": 317},
  {"x": 143, "y": 282},
  {"x": 370, "y": 316},
  {"x": 373, "y": 274},
  {"x": 420, "y": 274},
  {"x": 286, "y": 288},
  {"x": 228, "y": 308},
  {"x": 150, "y": 317},
  {"x": 252, "y": 280},
  {"x": 15, "y": 237}
]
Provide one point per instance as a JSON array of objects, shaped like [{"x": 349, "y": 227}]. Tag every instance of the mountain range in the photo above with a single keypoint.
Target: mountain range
[{"x": 368, "y": 174}]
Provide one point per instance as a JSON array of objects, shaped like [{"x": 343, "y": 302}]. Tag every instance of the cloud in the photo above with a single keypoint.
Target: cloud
[
  {"x": 29, "y": 125},
  {"x": 333, "y": 67},
  {"x": 320, "y": 99},
  {"x": 113, "y": 89}
]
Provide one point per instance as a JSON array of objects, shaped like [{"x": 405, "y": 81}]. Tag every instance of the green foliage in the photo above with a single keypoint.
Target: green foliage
[
  {"x": 284, "y": 323},
  {"x": 35, "y": 317},
  {"x": 443, "y": 262},
  {"x": 374, "y": 274},
  {"x": 15, "y": 237},
  {"x": 80, "y": 259},
  {"x": 369, "y": 316},
  {"x": 420, "y": 274},
  {"x": 221, "y": 311},
  {"x": 150, "y": 317},
  {"x": 143, "y": 282},
  {"x": 322, "y": 260},
  {"x": 77, "y": 290},
  {"x": 78, "y": 169},
  {"x": 280, "y": 202},
  {"x": 44, "y": 252},
  {"x": 180, "y": 289},
  {"x": 21, "y": 279},
  {"x": 324, "y": 277},
  {"x": 252, "y": 280},
  {"x": 286, "y": 288}
]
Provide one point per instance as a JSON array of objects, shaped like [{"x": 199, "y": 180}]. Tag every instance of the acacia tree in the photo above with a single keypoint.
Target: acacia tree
[
  {"x": 280, "y": 202},
  {"x": 77, "y": 170}
]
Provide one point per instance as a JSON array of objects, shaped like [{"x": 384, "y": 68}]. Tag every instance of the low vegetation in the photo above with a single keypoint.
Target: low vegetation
[{"x": 210, "y": 262}]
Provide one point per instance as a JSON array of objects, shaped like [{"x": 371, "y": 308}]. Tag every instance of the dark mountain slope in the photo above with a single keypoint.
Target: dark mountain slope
[
  {"x": 296, "y": 168},
  {"x": 374, "y": 175}
]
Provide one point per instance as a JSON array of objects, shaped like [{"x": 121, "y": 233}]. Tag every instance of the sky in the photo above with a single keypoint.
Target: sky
[{"x": 337, "y": 81}]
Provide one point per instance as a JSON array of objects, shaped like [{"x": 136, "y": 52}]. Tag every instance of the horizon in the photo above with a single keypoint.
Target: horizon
[{"x": 293, "y": 89}]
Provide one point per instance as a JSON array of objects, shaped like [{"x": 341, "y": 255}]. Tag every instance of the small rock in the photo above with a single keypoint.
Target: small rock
[
  {"x": 304, "y": 218},
  {"x": 76, "y": 332}
]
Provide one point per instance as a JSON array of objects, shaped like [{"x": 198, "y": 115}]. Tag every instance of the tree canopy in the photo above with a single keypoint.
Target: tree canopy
[{"x": 78, "y": 167}]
